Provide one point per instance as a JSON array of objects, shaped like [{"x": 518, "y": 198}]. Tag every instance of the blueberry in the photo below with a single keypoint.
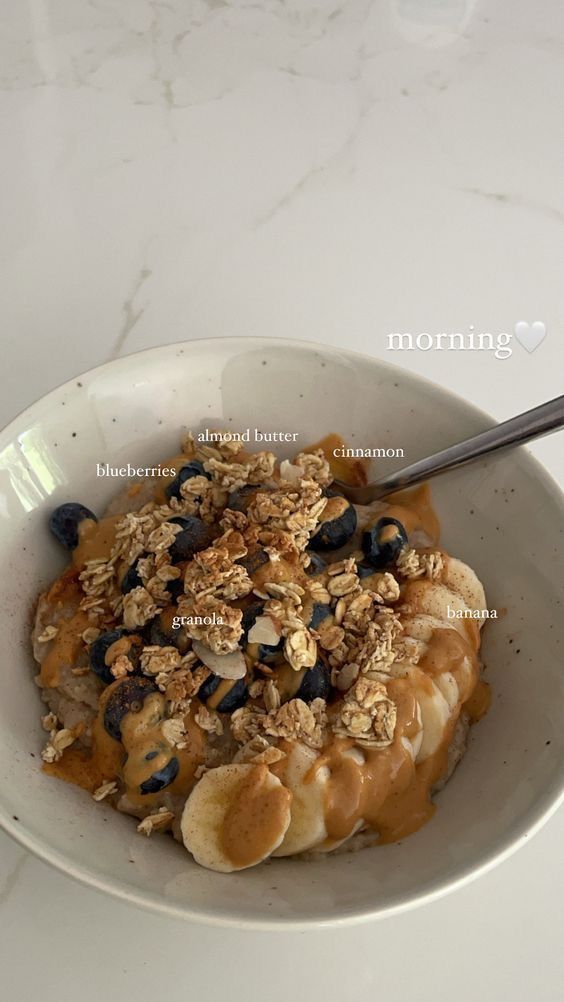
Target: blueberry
[
  {"x": 176, "y": 588},
  {"x": 208, "y": 687},
  {"x": 195, "y": 536},
  {"x": 316, "y": 565},
  {"x": 163, "y": 777},
  {"x": 365, "y": 572},
  {"x": 315, "y": 683},
  {"x": 240, "y": 499},
  {"x": 191, "y": 469},
  {"x": 338, "y": 523},
  {"x": 253, "y": 561},
  {"x": 267, "y": 653},
  {"x": 65, "y": 520},
  {"x": 249, "y": 617},
  {"x": 127, "y": 696},
  {"x": 100, "y": 647},
  {"x": 161, "y": 632},
  {"x": 383, "y": 542},
  {"x": 233, "y": 700},
  {"x": 131, "y": 579},
  {"x": 320, "y": 612}
]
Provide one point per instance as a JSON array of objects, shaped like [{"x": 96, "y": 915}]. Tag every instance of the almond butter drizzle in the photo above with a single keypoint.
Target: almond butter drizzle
[
  {"x": 278, "y": 572},
  {"x": 288, "y": 680},
  {"x": 223, "y": 689},
  {"x": 63, "y": 598},
  {"x": 346, "y": 468},
  {"x": 126, "y": 760},
  {"x": 415, "y": 511},
  {"x": 95, "y": 539},
  {"x": 254, "y": 817},
  {"x": 388, "y": 790},
  {"x": 334, "y": 508},
  {"x": 478, "y": 704}
]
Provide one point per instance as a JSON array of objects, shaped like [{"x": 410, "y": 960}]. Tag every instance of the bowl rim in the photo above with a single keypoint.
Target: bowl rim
[{"x": 230, "y": 918}]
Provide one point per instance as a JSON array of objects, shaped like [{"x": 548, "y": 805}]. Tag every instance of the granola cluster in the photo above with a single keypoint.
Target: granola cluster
[{"x": 367, "y": 714}]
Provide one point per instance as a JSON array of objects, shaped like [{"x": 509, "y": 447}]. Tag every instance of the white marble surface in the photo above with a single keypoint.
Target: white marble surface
[{"x": 327, "y": 170}]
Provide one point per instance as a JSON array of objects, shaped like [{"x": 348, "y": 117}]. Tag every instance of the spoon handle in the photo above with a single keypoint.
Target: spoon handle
[{"x": 540, "y": 420}]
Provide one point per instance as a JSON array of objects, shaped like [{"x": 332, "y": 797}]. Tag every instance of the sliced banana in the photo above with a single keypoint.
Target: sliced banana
[
  {"x": 331, "y": 843},
  {"x": 435, "y": 600},
  {"x": 448, "y": 685},
  {"x": 213, "y": 800},
  {"x": 434, "y": 709},
  {"x": 462, "y": 580},
  {"x": 435, "y": 714},
  {"x": 307, "y": 830},
  {"x": 416, "y": 740},
  {"x": 421, "y": 627},
  {"x": 307, "y": 823}
]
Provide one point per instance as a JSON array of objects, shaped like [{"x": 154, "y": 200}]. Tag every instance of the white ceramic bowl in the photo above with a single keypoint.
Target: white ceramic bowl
[{"x": 503, "y": 517}]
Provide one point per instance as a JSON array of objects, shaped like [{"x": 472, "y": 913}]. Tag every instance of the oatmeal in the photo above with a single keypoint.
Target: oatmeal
[{"x": 238, "y": 656}]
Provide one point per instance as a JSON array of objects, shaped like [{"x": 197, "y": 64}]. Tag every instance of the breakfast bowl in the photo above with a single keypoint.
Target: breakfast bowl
[{"x": 503, "y": 516}]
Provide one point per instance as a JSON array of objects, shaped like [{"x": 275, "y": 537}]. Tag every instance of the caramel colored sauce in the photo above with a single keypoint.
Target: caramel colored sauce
[
  {"x": 413, "y": 508},
  {"x": 334, "y": 508},
  {"x": 409, "y": 806},
  {"x": 77, "y": 767},
  {"x": 479, "y": 702},
  {"x": 65, "y": 650},
  {"x": 223, "y": 689},
  {"x": 254, "y": 818},
  {"x": 449, "y": 651},
  {"x": 95, "y": 539},
  {"x": 64, "y": 597},
  {"x": 288, "y": 680},
  {"x": 388, "y": 791},
  {"x": 414, "y": 596},
  {"x": 125, "y": 760},
  {"x": 95, "y": 542},
  {"x": 365, "y": 790},
  {"x": 279, "y": 572},
  {"x": 348, "y": 469}
]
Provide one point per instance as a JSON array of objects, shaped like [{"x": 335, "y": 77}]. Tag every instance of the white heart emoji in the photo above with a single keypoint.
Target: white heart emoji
[{"x": 530, "y": 335}]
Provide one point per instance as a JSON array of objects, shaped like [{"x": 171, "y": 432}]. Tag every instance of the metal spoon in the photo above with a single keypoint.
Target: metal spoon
[{"x": 539, "y": 421}]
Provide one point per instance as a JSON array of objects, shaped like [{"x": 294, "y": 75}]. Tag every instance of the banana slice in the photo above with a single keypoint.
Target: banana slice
[
  {"x": 307, "y": 822},
  {"x": 434, "y": 708},
  {"x": 448, "y": 685},
  {"x": 416, "y": 740},
  {"x": 329, "y": 844},
  {"x": 247, "y": 800},
  {"x": 435, "y": 600},
  {"x": 461, "y": 579},
  {"x": 307, "y": 828},
  {"x": 424, "y": 626},
  {"x": 421, "y": 627},
  {"x": 435, "y": 714}
]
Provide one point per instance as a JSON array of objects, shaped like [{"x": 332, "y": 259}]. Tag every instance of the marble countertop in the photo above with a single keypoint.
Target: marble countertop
[{"x": 335, "y": 171}]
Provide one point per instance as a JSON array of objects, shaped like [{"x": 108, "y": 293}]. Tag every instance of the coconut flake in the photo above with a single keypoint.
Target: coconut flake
[
  {"x": 231, "y": 666},
  {"x": 290, "y": 472},
  {"x": 264, "y": 631}
]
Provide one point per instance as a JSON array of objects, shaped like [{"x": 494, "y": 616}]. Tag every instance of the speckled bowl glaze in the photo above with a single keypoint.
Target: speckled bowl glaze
[{"x": 504, "y": 517}]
